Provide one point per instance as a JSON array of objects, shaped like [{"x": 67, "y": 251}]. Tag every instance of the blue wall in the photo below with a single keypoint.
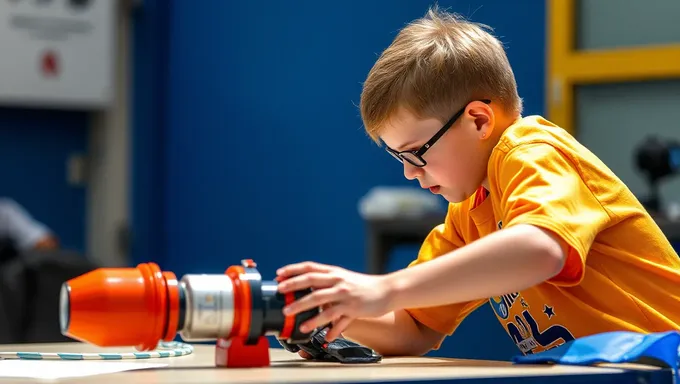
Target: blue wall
[
  {"x": 34, "y": 148},
  {"x": 247, "y": 139}
]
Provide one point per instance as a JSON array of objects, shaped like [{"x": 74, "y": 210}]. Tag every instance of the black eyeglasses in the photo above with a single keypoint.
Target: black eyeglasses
[{"x": 416, "y": 157}]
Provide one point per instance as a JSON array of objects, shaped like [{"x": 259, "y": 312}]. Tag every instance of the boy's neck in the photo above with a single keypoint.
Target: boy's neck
[
  {"x": 502, "y": 123},
  {"x": 485, "y": 183}
]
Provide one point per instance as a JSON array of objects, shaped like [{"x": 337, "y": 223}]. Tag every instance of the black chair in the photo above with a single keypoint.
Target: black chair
[{"x": 30, "y": 283}]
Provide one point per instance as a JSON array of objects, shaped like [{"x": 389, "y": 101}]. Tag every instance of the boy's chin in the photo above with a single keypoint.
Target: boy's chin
[
  {"x": 454, "y": 196},
  {"x": 454, "y": 201}
]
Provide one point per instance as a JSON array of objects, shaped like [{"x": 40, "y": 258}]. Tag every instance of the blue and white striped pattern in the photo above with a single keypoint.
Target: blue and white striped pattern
[{"x": 164, "y": 349}]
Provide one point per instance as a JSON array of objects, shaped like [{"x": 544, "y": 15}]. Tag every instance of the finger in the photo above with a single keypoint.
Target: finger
[
  {"x": 304, "y": 267},
  {"x": 304, "y": 354},
  {"x": 321, "y": 298},
  {"x": 339, "y": 326},
  {"x": 322, "y": 318},
  {"x": 314, "y": 280}
]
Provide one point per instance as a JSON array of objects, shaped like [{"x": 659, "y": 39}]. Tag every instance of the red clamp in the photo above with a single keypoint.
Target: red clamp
[{"x": 234, "y": 353}]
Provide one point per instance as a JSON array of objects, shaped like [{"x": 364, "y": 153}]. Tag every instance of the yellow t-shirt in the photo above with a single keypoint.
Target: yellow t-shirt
[{"x": 621, "y": 272}]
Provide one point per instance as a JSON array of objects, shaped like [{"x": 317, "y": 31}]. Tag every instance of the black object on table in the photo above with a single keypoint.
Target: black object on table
[
  {"x": 339, "y": 350},
  {"x": 385, "y": 234}
]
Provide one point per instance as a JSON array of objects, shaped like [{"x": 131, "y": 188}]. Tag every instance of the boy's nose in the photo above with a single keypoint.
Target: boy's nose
[{"x": 411, "y": 172}]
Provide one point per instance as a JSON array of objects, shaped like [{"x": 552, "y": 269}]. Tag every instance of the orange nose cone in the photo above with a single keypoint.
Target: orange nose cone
[{"x": 121, "y": 307}]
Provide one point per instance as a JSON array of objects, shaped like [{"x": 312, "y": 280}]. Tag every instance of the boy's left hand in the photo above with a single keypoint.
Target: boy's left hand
[{"x": 344, "y": 295}]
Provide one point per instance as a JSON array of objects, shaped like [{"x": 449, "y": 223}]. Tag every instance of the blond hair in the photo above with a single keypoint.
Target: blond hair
[{"x": 435, "y": 65}]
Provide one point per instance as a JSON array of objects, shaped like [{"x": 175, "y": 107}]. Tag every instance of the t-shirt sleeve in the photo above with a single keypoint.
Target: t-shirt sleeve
[
  {"x": 441, "y": 240},
  {"x": 543, "y": 187}
]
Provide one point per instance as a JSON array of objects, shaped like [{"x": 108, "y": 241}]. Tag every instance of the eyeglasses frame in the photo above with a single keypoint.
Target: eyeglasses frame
[{"x": 425, "y": 147}]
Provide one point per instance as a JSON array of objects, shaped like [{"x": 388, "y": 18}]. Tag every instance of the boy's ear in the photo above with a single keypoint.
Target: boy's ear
[{"x": 483, "y": 118}]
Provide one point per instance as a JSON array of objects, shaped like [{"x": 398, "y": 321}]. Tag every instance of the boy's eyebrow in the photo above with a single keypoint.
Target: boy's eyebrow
[{"x": 408, "y": 144}]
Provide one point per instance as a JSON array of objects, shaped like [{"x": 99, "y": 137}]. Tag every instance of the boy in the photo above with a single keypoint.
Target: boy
[{"x": 537, "y": 225}]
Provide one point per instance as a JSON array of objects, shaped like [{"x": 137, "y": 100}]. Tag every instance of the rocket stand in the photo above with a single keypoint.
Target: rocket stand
[{"x": 234, "y": 353}]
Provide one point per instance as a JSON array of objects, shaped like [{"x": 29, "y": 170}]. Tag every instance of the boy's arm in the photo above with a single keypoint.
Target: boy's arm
[
  {"x": 551, "y": 219},
  {"x": 394, "y": 334},
  {"x": 506, "y": 261},
  {"x": 410, "y": 332},
  {"x": 417, "y": 330}
]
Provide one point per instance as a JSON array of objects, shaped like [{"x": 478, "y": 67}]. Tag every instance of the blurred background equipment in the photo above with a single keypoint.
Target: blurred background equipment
[
  {"x": 657, "y": 159},
  {"x": 399, "y": 202},
  {"x": 396, "y": 217}
]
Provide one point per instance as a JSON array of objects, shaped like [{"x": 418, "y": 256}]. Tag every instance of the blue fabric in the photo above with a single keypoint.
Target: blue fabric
[{"x": 612, "y": 347}]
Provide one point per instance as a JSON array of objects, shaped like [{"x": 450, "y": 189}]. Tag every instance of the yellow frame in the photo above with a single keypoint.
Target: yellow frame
[{"x": 568, "y": 67}]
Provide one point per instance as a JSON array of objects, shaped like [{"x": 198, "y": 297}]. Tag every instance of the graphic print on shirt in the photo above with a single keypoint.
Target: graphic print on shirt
[{"x": 531, "y": 332}]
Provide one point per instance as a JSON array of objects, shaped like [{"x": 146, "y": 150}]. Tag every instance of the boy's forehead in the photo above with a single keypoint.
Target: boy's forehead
[{"x": 404, "y": 128}]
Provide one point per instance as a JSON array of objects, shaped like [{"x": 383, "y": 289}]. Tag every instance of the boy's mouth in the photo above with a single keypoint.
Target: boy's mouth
[{"x": 434, "y": 188}]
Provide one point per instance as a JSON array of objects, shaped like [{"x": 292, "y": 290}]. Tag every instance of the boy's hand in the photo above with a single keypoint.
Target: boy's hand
[{"x": 344, "y": 295}]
